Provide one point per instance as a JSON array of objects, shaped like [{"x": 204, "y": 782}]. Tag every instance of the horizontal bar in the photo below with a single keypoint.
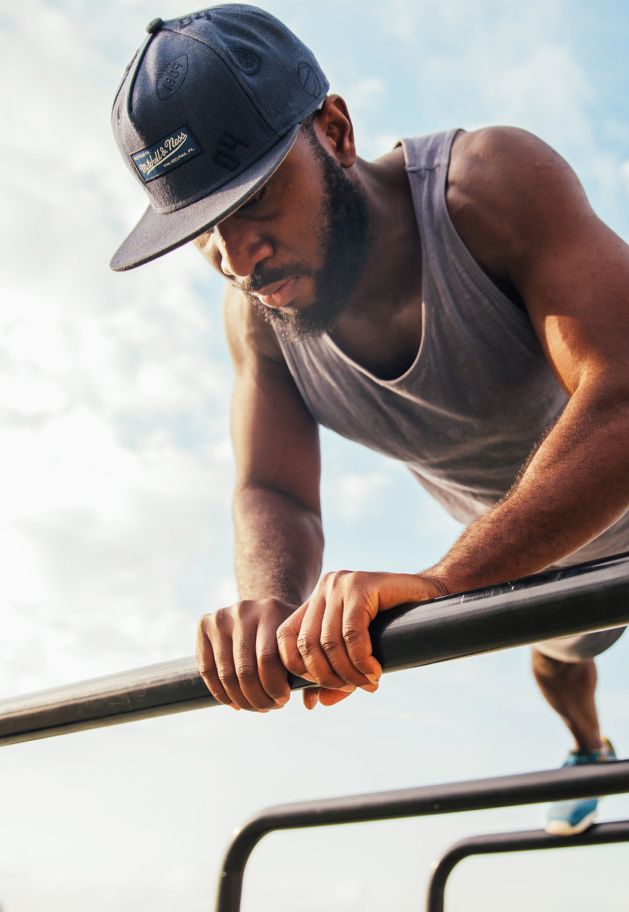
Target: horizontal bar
[
  {"x": 591, "y": 596},
  {"x": 522, "y": 841},
  {"x": 609, "y": 778}
]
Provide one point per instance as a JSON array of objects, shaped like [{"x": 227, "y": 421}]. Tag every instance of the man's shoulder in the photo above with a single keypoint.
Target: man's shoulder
[
  {"x": 500, "y": 180},
  {"x": 499, "y": 155}
]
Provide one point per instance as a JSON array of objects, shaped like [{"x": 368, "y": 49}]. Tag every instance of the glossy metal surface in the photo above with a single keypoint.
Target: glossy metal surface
[{"x": 587, "y": 597}]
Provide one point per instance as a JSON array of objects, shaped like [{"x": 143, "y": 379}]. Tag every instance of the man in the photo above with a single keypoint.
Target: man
[{"x": 455, "y": 304}]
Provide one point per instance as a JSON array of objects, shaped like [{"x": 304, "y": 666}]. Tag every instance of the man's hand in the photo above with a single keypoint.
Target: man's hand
[
  {"x": 327, "y": 639},
  {"x": 238, "y": 655}
]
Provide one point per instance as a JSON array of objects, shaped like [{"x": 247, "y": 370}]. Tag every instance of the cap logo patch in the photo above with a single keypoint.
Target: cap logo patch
[
  {"x": 170, "y": 152},
  {"x": 308, "y": 79},
  {"x": 172, "y": 77},
  {"x": 246, "y": 60}
]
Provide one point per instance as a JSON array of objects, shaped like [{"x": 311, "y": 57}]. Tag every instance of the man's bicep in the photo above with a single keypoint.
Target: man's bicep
[
  {"x": 576, "y": 289},
  {"x": 275, "y": 438}
]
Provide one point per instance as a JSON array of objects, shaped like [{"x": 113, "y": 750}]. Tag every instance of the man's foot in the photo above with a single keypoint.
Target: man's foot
[{"x": 567, "y": 818}]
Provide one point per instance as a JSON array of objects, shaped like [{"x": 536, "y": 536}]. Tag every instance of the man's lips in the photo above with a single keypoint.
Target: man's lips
[{"x": 278, "y": 294}]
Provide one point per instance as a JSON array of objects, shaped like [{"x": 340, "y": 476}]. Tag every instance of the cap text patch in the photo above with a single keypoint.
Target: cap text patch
[{"x": 168, "y": 153}]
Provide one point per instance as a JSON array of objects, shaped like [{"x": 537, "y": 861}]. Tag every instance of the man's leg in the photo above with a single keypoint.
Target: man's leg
[{"x": 570, "y": 688}]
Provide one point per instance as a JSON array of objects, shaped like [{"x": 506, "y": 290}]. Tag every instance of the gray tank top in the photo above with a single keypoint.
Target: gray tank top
[{"x": 479, "y": 394}]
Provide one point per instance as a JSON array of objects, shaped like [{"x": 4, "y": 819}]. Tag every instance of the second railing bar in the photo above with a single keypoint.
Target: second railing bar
[
  {"x": 589, "y": 596},
  {"x": 446, "y": 798},
  {"x": 521, "y": 841}
]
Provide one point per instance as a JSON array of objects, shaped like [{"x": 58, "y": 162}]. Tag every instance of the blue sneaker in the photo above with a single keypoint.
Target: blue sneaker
[{"x": 567, "y": 818}]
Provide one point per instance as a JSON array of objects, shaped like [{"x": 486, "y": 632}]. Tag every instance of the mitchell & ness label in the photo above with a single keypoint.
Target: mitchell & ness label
[{"x": 170, "y": 152}]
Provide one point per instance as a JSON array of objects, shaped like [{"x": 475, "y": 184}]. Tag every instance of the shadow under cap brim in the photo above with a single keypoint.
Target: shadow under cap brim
[{"x": 158, "y": 233}]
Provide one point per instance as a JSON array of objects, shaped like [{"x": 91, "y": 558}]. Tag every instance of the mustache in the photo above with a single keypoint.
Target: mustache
[{"x": 259, "y": 280}]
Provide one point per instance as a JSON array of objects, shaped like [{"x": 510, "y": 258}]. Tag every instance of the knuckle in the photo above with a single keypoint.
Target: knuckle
[
  {"x": 353, "y": 635},
  {"x": 208, "y": 624},
  {"x": 241, "y": 611},
  {"x": 211, "y": 682},
  {"x": 218, "y": 620},
  {"x": 203, "y": 622},
  {"x": 306, "y": 645},
  {"x": 283, "y": 633},
  {"x": 247, "y": 673},
  {"x": 330, "y": 645},
  {"x": 268, "y": 661},
  {"x": 229, "y": 679}
]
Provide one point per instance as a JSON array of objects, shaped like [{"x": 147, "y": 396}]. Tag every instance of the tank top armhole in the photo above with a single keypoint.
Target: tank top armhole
[{"x": 472, "y": 268}]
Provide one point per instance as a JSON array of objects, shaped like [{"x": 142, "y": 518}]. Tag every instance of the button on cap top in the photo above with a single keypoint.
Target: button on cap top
[{"x": 154, "y": 26}]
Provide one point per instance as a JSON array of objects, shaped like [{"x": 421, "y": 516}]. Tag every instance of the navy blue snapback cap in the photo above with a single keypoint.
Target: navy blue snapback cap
[{"x": 208, "y": 109}]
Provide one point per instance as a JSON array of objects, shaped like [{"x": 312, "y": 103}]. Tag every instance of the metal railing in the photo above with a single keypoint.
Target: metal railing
[
  {"x": 481, "y": 794},
  {"x": 523, "y": 841},
  {"x": 586, "y": 597},
  {"x": 591, "y": 596}
]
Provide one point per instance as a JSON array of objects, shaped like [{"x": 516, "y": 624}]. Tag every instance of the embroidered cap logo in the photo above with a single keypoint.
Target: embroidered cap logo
[{"x": 172, "y": 77}]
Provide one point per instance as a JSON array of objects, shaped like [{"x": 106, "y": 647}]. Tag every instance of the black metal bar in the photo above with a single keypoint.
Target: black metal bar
[
  {"x": 506, "y": 791},
  {"x": 589, "y": 596},
  {"x": 523, "y": 841}
]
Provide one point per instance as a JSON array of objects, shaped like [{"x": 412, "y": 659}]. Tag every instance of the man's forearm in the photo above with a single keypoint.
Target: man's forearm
[
  {"x": 279, "y": 545},
  {"x": 574, "y": 487}
]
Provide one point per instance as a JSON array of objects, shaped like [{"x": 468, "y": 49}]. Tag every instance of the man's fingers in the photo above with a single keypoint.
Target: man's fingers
[
  {"x": 287, "y": 634},
  {"x": 314, "y": 695},
  {"x": 335, "y": 648},
  {"x": 310, "y": 697},
  {"x": 207, "y": 668},
  {"x": 245, "y": 663},
  {"x": 310, "y": 646},
  {"x": 356, "y": 618},
  {"x": 223, "y": 648},
  {"x": 332, "y": 697},
  {"x": 272, "y": 673}
]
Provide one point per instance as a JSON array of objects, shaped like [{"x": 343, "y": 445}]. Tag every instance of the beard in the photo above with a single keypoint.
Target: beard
[{"x": 343, "y": 244}]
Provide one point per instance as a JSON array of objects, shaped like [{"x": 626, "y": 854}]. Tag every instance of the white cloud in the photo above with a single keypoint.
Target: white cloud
[{"x": 113, "y": 389}]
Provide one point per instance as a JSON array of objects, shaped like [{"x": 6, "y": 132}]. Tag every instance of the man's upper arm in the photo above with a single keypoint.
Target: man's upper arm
[
  {"x": 275, "y": 438},
  {"x": 523, "y": 213}
]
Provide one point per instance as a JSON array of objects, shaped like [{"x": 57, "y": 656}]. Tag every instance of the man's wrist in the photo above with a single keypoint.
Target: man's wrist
[{"x": 439, "y": 580}]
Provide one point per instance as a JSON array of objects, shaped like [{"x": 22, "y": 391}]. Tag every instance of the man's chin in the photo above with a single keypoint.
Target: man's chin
[{"x": 294, "y": 323}]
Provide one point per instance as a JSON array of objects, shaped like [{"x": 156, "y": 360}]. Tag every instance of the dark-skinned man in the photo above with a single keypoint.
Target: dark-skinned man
[{"x": 455, "y": 304}]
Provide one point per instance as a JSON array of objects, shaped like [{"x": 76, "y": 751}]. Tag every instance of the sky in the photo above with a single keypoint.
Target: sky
[{"x": 116, "y": 476}]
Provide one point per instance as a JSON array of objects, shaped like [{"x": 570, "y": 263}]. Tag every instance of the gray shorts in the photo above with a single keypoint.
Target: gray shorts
[{"x": 580, "y": 646}]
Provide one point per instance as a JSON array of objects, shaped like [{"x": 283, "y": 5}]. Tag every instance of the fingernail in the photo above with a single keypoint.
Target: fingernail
[
  {"x": 282, "y": 701},
  {"x": 370, "y": 688},
  {"x": 348, "y": 688},
  {"x": 233, "y": 706},
  {"x": 373, "y": 678}
]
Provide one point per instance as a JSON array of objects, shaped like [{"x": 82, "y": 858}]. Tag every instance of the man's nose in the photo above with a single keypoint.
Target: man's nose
[{"x": 241, "y": 247}]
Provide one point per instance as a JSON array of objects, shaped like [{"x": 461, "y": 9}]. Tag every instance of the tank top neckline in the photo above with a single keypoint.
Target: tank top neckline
[{"x": 415, "y": 365}]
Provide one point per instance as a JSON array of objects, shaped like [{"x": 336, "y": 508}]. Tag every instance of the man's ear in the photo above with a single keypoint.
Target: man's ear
[{"x": 335, "y": 130}]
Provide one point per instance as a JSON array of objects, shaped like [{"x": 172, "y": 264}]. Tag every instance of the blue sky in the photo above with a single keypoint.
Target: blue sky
[{"x": 115, "y": 526}]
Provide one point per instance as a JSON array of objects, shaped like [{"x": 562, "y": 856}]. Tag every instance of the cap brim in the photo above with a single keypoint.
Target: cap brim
[{"x": 157, "y": 233}]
